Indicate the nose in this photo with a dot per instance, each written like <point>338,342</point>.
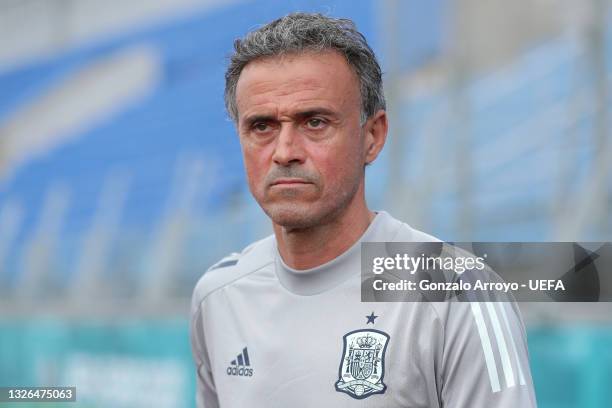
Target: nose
<point>288,150</point>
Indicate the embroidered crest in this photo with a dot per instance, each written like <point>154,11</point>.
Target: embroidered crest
<point>362,366</point>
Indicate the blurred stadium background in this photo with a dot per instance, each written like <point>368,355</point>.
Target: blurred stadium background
<point>121,178</point>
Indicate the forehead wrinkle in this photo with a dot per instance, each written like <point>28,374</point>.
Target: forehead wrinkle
<point>291,103</point>
<point>265,89</point>
<point>266,97</point>
<point>296,110</point>
<point>284,86</point>
<point>256,89</point>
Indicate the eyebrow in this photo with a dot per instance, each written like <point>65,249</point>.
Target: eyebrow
<point>258,118</point>
<point>250,120</point>
<point>314,112</point>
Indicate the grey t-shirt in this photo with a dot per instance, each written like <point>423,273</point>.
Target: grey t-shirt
<point>265,335</point>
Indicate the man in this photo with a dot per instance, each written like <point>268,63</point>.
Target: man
<point>281,324</point>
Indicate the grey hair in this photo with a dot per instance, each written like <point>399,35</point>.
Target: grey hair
<point>304,32</point>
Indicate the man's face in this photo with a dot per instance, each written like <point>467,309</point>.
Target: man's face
<point>299,127</point>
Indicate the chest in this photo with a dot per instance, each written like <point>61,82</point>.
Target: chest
<point>331,350</point>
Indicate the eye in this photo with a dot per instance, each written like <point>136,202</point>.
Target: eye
<point>260,126</point>
<point>315,123</point>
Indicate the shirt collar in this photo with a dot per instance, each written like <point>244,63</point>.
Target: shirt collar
<point>319,279</point>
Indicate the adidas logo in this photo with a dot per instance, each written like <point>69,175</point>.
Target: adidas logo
<point>241,366</point>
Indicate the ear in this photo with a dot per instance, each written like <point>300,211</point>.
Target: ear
<point>375,130</point>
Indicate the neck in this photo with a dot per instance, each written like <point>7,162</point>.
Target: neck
<point>311,247</point>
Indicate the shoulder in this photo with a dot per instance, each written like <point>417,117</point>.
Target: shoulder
<point>233,267</point>
<point>404,232</point>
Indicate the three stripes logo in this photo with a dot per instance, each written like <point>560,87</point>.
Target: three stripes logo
<point>498,344</point>
<point>241,366</point>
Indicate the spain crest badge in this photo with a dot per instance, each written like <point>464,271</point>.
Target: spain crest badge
<point>362,366</point>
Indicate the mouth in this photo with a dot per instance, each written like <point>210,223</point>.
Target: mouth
<point>289,182</point>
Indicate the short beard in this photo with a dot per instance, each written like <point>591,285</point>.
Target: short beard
<point>301,218</point>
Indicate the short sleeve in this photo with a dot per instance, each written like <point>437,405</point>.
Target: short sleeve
<point>206,394</point>
<point>485,357</point>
